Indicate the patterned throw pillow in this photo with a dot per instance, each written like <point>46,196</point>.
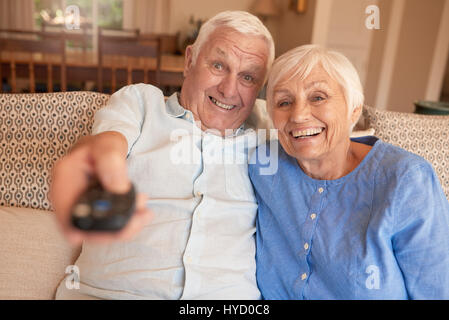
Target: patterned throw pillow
<point>35,131</point>
<point>427,136</point>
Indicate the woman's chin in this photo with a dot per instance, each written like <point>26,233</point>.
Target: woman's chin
<point>306,155</point>
<point>302,153</point>
<point>303,148</point>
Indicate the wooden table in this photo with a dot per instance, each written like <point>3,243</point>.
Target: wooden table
<point>82,67</point>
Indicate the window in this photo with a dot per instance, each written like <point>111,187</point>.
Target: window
<point>49,15</point>
<point>104,13</point>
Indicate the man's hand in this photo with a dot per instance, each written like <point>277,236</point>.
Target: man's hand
<point>103,155</point>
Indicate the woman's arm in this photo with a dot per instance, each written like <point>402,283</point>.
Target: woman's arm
<point>421,233</point>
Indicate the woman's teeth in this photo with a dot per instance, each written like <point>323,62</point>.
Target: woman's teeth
<point>221,105</point>
<point>306,133</point>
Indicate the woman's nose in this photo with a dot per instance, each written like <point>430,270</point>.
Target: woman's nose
<point>228,86</point>
<point>300,112</point>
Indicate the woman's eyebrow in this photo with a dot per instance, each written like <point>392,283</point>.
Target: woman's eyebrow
<point>280,91</point>
<point>317,83</point>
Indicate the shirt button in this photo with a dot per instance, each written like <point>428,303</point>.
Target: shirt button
<point>320,190</point>
<point>304,276</point>
<point>189,259</point>
<point>313,216</point>
<point>199,194</point>
<point>306,246</point>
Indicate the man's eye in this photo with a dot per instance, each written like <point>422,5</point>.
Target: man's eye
<point>218,66</point>
<point>248,78</point>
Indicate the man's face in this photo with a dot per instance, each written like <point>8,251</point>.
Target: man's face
<point>221,87</point>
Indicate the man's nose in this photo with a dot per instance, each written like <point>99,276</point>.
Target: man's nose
<point>228,86</point>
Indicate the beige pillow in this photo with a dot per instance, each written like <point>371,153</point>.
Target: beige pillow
<point>33,254</point>
<point>427,136</point>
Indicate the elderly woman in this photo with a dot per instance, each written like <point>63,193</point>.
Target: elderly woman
<point>343,218</point>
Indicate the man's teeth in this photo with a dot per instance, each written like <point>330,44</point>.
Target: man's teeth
<point>307,132</point>
<point>222,105</point>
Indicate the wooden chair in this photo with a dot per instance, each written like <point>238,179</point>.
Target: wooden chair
<point>126,52</point>
<point>80,38</point>
<point>169,42</point>
<point>30,42</point>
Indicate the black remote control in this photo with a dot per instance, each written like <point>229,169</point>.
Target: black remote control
<point>101,210</point>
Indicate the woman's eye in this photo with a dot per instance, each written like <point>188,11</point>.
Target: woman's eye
<point>283,103</point>
<point>317,98</point>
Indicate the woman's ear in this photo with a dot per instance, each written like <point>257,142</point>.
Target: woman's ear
<point>188,60</point>
<point>355,114</point>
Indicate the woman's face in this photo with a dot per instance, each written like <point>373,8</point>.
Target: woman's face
<point>311,116</point>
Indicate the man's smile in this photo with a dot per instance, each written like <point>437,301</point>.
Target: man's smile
<point>221,105</point>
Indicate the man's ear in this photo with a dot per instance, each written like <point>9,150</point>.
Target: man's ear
<point>188,60</point>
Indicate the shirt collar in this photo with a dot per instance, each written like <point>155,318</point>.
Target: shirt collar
<point>173,107</point>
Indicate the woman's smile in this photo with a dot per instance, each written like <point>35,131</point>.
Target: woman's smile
<point>306,133</point>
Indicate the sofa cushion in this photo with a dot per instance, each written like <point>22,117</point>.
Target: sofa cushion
<point>33,255</point>
<point>35,131</point>
<point>427,136</point>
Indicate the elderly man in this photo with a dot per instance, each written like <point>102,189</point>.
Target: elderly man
<point>200,242</point>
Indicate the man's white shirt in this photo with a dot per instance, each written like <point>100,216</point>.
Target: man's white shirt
<point>200,244</point>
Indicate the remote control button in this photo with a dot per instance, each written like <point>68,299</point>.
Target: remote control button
<point>81,210</point>
<point>101,208</point>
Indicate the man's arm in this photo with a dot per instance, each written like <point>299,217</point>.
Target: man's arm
<point>103,155</point>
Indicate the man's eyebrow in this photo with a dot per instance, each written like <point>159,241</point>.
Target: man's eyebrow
<point>255,68</point>
<point>221,52</point>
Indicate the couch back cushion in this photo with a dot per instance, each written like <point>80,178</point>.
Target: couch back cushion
<point>35,131</point>
<point>34,255</point>
<point>427,136</point>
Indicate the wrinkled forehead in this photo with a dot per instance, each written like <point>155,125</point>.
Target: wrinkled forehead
<point>225,41</point>
<point>307,76</point>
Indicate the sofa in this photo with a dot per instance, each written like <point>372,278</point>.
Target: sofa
<point>38,129</point>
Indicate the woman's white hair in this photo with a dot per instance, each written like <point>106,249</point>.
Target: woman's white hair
<point>240,21</point>
<point>300,62</point>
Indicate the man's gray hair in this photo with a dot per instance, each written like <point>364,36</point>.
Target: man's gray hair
<point>242,22</point>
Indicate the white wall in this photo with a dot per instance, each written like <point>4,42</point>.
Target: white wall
<point>340,25</point>
<point>292,29</point>
<point>401,62</point>
<point>181,10</point>
<point>415,53</point>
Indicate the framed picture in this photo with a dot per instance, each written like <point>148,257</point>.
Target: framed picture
<point>300,6</point>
